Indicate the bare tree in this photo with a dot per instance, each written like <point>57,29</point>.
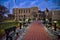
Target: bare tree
<point>3,11</point>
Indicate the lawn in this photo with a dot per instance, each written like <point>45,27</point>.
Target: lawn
<point>58,22</point>
<point>8,21</point>
<point>7,25</point>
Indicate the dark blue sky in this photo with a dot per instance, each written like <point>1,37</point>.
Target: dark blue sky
<point>41,4</point>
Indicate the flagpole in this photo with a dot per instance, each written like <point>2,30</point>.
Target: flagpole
<point>15,7</point>
<point>15,3</point>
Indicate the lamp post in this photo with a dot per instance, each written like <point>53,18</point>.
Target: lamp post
<point>20,25</point>
<point>55,22</point>
<point>46,15</point>
<point>46,22</point>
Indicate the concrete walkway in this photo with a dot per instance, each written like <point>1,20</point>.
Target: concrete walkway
<point>36,32</point>
<point>23,32</point>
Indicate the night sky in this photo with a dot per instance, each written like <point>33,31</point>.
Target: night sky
<point>41,4</point>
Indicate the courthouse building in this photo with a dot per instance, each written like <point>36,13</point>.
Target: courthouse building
<point>25,13</point>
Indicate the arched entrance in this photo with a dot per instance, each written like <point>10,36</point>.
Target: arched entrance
<point>34,16</point>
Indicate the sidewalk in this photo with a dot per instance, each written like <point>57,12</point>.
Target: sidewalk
<point>51,32</point>
<point>52,36</point>
<point>23,33</point>
<point>36,32</point>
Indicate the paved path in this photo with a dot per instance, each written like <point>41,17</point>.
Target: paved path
<point>36,32</point>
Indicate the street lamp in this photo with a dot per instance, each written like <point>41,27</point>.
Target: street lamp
<point>55,22</point>
<point>46,22</point>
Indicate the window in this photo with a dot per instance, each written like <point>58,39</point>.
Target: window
<point>19,11</point>
<point>24,11</point>
<point>20,19</point>
<point>19,16</point>
<point>29,10</point>
<point>24,16</point>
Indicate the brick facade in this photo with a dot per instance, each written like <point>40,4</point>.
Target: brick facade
<point>21,13</point>
<point>56,15</point>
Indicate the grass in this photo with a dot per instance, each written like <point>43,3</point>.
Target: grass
<point>58,23</point>
<point>7,25</point>
<point>8,21</point>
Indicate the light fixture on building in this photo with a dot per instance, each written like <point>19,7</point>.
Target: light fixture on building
<point>55,21</point>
